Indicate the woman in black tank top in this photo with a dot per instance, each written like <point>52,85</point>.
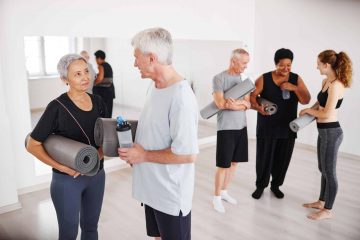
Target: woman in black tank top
<point>274,139</point>
<point>337,68</point>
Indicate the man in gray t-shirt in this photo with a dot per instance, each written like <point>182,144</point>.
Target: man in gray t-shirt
<point>232,143</point>
<point>166,140</point>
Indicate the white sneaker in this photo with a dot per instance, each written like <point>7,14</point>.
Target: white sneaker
<point>218,204</point>
<point>226,197</point>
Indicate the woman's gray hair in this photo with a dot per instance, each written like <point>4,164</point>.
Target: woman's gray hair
<point>65,62</point>
<point>157,41</point>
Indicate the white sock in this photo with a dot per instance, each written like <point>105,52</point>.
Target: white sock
<point>218,204</point>
<point>226,197</point>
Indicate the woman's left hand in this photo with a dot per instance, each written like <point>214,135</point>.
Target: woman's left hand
<point>303,112</point>
<point>100,153</point>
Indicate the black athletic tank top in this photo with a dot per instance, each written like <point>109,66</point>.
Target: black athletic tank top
<point>108,72</point>
<point>323,96</point>
<point>277,125</point>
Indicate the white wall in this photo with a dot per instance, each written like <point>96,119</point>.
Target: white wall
<point>309,27</point>
<point>196,60</point>
<point>110,18</point>
<point>7,170</point>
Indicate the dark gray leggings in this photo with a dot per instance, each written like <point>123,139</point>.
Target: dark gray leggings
<point>328,143</point>
<point>76,198</point>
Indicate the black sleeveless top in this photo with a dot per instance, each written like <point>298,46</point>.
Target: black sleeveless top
<point>108,72</point>
<point>106,90</point>
<point>323,96</point>
<point>277,125</point>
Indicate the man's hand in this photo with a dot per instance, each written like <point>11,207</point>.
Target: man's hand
<point>135,154</point>
<point>234,104</point>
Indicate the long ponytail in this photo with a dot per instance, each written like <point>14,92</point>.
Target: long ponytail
<point>340,63</point>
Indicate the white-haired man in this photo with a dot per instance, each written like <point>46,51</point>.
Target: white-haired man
<point>232,141</point>
<point>166,140</point>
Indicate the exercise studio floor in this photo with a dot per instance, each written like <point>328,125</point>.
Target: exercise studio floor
<point>267,218</point>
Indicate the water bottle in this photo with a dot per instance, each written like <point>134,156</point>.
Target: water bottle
<point>123,129</point>
<point>285,94</point>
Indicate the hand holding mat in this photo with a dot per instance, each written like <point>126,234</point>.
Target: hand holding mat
<point>79,156</point>
<point>270,108</point>
<point>105,135</point>
<point>301,122</point>
<point>238,91</point>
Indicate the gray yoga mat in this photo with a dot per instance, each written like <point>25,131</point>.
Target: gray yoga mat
<point>270,108</point>
<point>238,91</point>
<point>105,135</point>
<point>81,157</point>
<point>301,122</point>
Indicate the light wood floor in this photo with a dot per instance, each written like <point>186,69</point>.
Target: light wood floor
<point>267,218</point>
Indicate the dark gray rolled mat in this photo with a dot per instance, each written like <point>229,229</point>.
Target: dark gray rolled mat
<point>301,122</point>
<point>238,91</point>
<point>81,157</point>
<point>270,108</point>
<point>105,135</point>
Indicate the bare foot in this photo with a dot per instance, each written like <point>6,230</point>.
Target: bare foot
<point>322,214</point>
<point>317,205</point>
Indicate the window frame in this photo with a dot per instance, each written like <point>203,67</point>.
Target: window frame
<point>73,47</point>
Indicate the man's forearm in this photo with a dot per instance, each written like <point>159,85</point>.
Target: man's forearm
<point>166,156</point>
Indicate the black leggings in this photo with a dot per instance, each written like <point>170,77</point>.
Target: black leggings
<point>328,143</point>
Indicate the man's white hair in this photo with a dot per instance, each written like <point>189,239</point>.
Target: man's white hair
<point>157,41</point>
<point>237,52</point>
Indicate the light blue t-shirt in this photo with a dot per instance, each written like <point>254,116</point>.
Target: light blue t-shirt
<point>228,119</point>
<point>169,119</point>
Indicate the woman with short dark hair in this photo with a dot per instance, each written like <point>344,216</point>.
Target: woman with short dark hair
<point>274,139</point>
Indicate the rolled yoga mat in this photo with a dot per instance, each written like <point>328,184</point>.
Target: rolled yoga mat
<point>238,91</point>
<point>106,136</point>
<point>270,108</point>
<point>79,156</point>
<point>301,122</point>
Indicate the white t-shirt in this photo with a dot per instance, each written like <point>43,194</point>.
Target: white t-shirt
<point>169,119</point>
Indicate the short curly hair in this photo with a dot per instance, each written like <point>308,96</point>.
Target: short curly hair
<point>64,63</point>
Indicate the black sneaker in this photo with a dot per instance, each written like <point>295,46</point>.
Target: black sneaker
<point>258,192</point>
<point>277,192</point>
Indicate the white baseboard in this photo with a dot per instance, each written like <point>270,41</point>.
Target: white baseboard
<point>11,207</point>
<point>33,188</point>
<point>340,154</point>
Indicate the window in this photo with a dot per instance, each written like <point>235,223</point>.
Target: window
<point>43,53</point>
